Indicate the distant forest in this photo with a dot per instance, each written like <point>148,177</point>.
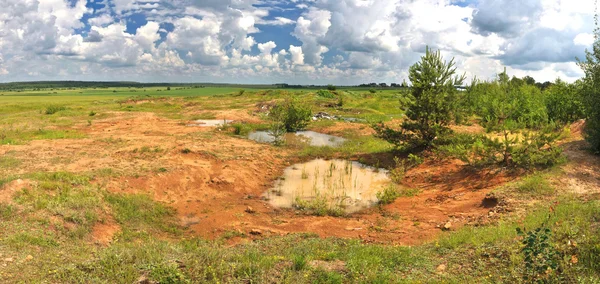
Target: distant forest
<point>58,85</point>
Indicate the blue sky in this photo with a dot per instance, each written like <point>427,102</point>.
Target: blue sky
<point>293,41</point>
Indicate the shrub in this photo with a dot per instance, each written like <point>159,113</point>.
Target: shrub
<point>517,149</point>
<point>54,109</point>
<point>241,129</point>
<point>541,258</point>
<point>92,113</point>
<point>290,114</point>
<point>331,88</point>
<point>372,91</point>
<point>537,149</point>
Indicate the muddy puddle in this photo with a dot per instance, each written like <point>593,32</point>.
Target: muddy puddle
<point>210,122</point>
<point>302,137</point>
<point>343,184</point>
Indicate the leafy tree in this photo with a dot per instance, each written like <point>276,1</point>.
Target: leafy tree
<point>591,90</point>
<point>434,103</point>
<point>564,102</point>
<point>505,100</point>
<point>529,80</point>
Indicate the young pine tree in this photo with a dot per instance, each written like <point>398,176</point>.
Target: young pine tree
<point>433,103</point>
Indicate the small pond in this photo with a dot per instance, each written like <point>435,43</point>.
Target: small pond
<point>302,137</point>
<point>210,122</point>
<point>349,185</point>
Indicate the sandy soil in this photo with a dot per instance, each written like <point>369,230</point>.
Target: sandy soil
<point>212,187</point>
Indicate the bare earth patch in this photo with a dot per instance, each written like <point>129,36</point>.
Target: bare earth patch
<point>212,186</point>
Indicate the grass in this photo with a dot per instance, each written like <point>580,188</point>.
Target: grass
<point>319,206</point>
<point>151,243</point>
<point>54,219</point>
<point>388,195</point>
<point>537,184</point>
<point>8,162</point>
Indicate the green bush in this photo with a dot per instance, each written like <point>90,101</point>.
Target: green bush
<point>526,150</point>
<point>241,129</point>
<point>54,109</point>
<point>291,114</point>
<point>474,150</point>
<point>388,195</point>
<point>325,94</point>
<point>541,259</point>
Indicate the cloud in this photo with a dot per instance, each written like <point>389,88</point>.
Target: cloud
<point>507,17</point>
<point>299,41</point>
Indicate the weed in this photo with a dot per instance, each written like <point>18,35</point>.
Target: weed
<point>388,195</point>
<point>299,262</point>
<point>319,206</point>
<point>186,151</point>
<point>541,258</point>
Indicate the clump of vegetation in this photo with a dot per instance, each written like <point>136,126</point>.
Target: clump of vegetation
<point>536,184</point>
<point>186,151</point>
<point>54,109</point>
<point>388,195</point>
<point>397,173</point>
<point>325,94</point>
<point>564,102</point>
<point>541,259</point>
<point>591,91</point>
<point>241,129</point>
<point>92,113</point>
<point>292,114</point>
<point>319,206</point>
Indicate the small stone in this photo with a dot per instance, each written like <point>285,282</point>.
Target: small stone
<point>250,210</point>
<point>255,232</point>
<point>441,268</point>
<point>29,257</point>
<point>448,226</point>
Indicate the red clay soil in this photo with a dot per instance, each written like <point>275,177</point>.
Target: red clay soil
<point>212,186</point>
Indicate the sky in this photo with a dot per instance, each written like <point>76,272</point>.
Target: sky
<point>343,42</point>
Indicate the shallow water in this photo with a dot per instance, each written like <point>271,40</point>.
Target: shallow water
<point>350,185</point>
<point>302,137</point>
<point>210,122</point>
